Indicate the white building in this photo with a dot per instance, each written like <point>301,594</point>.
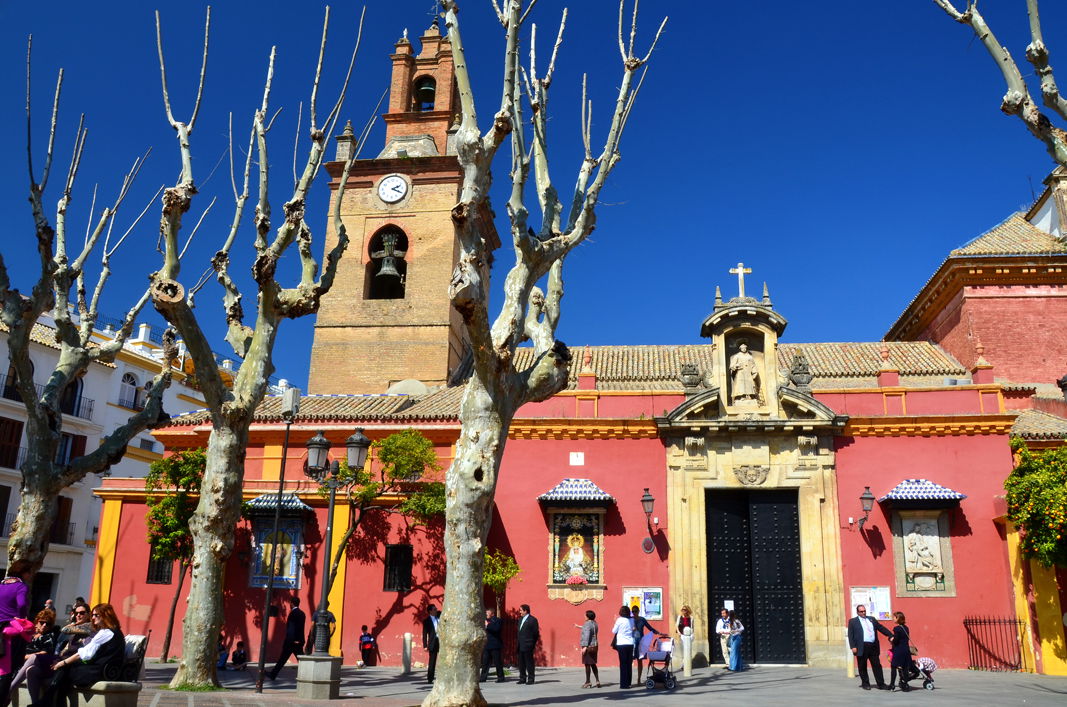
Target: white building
<point>102,400</point>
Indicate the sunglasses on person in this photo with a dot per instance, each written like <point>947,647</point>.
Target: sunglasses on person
<point>80,613</point>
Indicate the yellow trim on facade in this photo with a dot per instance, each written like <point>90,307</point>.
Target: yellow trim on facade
<point>566,428</point>
<point>106,549</point>
<point>337,592</point>
<point>1049,619</point>
<point>1018,585</point>
<point>272,461</point>
<point>929,425</point>
<point>190,399</point>
<point>141,455</point>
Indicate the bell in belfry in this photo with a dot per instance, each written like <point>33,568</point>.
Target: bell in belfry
<point>388,256</point>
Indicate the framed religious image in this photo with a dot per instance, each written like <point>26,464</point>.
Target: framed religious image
<point>577,548</point>
<point>922,553</point>
<point>286,547</point>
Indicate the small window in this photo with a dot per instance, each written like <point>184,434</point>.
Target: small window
<point>159,571</point>
<point>386,274</point>
<point>148,445</point>
<point>397,568</point>
<point>424,94</point>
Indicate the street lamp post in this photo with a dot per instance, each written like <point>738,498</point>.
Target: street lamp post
<point>647,501</point>
<point>327,472</point>
<point>290,409</point>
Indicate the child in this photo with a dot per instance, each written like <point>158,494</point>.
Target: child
<point>367,647</point>
<point>240,656</point>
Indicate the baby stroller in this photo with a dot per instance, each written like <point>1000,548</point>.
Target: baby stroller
<point>658,650</point>
<point>924,668</point>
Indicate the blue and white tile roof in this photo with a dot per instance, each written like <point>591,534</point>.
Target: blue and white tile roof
<point>268,502</point>
<point>921,490</point>
<point>576,490</point>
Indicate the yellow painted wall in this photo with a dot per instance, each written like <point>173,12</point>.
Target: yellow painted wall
<point>1022,606</point>
<point>104,565</point>
<point>1049,619</point>
<point>337,592</point>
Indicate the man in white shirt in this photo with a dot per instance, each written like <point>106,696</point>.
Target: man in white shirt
<point>863,640</point>
<point>722,627</point>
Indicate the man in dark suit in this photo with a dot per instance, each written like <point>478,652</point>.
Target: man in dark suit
<point>529,635</point>
<point>294,637</point>
<point>493,644</point>
<point>430,642</point>
<point>863,640</point>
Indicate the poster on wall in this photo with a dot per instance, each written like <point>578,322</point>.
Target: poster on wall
<point>648,599</point>
<point>876,599</point>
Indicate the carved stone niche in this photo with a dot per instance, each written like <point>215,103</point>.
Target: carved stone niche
<point>696,456</point>
<point>751,474</point>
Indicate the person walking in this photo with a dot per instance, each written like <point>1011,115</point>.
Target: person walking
<point>624,645</point>
<point>590,645</point>
<point>368,647</point>
<point>493,646</point>
<point>640,625</point>
<point>529,635</point>
<point>736,629</point>
<point>294,637</point>
<point>863,640</point>
<point>722,628</point>
<point>430,641</point>
<point>900,660</point>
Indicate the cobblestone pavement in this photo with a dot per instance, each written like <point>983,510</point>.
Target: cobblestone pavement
<point>770,685</point>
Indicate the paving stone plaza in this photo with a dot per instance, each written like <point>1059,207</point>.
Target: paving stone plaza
<point>771,685</point>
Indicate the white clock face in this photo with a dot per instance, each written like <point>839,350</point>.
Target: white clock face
<point>392,189</point>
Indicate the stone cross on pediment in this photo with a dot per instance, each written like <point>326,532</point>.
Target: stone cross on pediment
<point>741,271</point>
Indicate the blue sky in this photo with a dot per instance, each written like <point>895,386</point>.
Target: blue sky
<point>839,149</point>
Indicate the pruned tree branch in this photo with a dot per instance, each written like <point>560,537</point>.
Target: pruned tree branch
<point>1018,100</point>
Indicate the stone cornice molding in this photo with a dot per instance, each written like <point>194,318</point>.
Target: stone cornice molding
<point>930,425</point>
<point>958,272</point>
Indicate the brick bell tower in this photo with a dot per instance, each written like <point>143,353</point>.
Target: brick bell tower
<point>388,317</point>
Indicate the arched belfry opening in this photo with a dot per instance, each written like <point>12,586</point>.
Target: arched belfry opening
<point>424,94</point>
<point>387,269</point>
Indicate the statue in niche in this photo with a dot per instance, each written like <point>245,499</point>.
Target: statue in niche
<point>922,550</point>
<point>744,375</point>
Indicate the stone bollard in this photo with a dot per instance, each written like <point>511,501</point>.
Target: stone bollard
<point>406,658</point>
<point>687,651</point>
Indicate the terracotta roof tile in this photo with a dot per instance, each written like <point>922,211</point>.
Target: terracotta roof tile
<point>46,336</point>
<point>1037,425</point>
<point>1013,236</point>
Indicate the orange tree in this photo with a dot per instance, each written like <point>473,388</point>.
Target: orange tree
<point>1037,502</point>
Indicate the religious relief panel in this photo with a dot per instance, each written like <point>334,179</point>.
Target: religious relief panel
<point>287,548</point>
<point>577,542</point>
<point>923,554</point>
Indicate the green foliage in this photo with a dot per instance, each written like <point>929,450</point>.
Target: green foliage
<point>498,570</point>
<point>1037,502</point>
<point>173,484</point>
<point>403,458</point>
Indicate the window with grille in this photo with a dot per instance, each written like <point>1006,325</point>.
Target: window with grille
<point>159,571</point>
<point>148,444</point>
<point>397,568</point>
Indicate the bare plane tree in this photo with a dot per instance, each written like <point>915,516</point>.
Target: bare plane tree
<point>232,407</point>
<point>1018,100</point>
<point>62,292</point>
<point>496,389</point>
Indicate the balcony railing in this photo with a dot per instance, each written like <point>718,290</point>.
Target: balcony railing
<point>9,522</point>
<point>63,534</point>
<point>12,457</point>
<point>131,403</point>
<point>79,406</point>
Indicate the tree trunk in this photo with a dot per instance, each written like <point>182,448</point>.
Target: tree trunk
<point>164,652</point>
<point>28,544</point>
<point>470,486</point>
<point>212,530</point>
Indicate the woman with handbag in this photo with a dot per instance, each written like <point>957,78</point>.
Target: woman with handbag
<point>588,643</point>
<point>901,652</point>
<point>623,643</point>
